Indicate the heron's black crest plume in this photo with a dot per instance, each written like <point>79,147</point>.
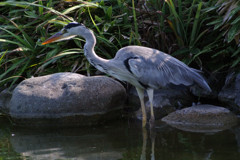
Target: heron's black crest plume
<point>72,24</point>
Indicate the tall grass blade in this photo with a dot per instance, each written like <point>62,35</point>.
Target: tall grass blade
<point>27,4</point>
<point>236,62</point>
<point>90,15</point>
<point>40,9</point>
<point>18,38</point>
<point>178,24</point>
<point>195,24</point>
<point>11,42</point>
<point>9,78</point>
<point>190,14</point>
<point>22,70</point>
<point>180,12</point>
<point>2,56</point>
<point>75,7</point>
<point>14,66</point>
<point>135,23</point>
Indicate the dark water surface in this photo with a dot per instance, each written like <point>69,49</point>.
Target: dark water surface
<point>122,140</point>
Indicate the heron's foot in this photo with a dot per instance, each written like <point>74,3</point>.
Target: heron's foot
<point>152,123</point>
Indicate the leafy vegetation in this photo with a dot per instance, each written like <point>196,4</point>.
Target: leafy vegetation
<point>228,23</point>
<point>203,34</point>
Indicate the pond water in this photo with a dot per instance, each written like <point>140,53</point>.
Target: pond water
<point>120,140</point>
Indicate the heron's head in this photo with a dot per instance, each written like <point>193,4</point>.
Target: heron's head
<point>69,31</point>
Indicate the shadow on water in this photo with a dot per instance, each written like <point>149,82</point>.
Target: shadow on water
<point>117,141</point>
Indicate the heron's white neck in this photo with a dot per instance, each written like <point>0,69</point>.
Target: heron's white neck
<point>92,57</point>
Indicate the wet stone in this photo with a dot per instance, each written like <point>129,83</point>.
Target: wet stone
<point>66,99</point>
<point>202,118</point>
<point>230,93</point>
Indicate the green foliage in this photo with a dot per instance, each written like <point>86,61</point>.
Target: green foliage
<point>228,23</point>
<point>177,27</point>
<point>186,29</point>
<point>189,30</point>
<point>27,23</point>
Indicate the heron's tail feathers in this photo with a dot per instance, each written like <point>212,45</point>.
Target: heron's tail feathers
<point>201,81</point>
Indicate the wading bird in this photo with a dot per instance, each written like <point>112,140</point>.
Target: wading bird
<point>145,68</point>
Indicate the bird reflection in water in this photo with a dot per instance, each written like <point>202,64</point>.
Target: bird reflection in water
<point>145,140</point>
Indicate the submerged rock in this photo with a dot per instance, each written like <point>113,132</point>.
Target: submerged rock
<point>165,101</point>
<point>202,118</point>
<point>66,99</point>
<point>230,93</point>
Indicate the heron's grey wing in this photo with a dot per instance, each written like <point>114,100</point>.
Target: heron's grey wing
<point>160,70</point>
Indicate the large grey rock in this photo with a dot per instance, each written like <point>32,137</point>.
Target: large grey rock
<point>230,93</point>
<point>66,99</point>
<point>165,101</point>
<point>202,118</point>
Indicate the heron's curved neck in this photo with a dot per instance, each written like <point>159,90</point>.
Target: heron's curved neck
<point>92,57</point>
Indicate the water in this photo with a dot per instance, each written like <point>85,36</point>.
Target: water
<point>122,140</point>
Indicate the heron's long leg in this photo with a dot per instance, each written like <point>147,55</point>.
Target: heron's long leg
<point>141,97</point>
<point>150,96</point>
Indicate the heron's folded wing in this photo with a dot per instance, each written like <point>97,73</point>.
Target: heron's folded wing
<point>160,71</point>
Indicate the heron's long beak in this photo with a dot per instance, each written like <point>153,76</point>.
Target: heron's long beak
<point>53,38</point>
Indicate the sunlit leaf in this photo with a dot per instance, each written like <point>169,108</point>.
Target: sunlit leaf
<point>98,19</point>
<point>109,12</point>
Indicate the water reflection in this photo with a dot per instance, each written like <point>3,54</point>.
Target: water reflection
<point>119,141</point>
<point>80,143</point>
<point>144,145</point>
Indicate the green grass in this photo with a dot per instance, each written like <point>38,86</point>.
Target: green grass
<point>188,30</point>
<point>23,55</point>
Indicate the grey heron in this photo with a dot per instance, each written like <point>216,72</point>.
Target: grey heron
<point>145,68</point>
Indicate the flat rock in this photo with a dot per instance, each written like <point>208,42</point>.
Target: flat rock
<point>202,118</point>
<point>66,99</point>
<point>165,101</point>
<point>230,93</point>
